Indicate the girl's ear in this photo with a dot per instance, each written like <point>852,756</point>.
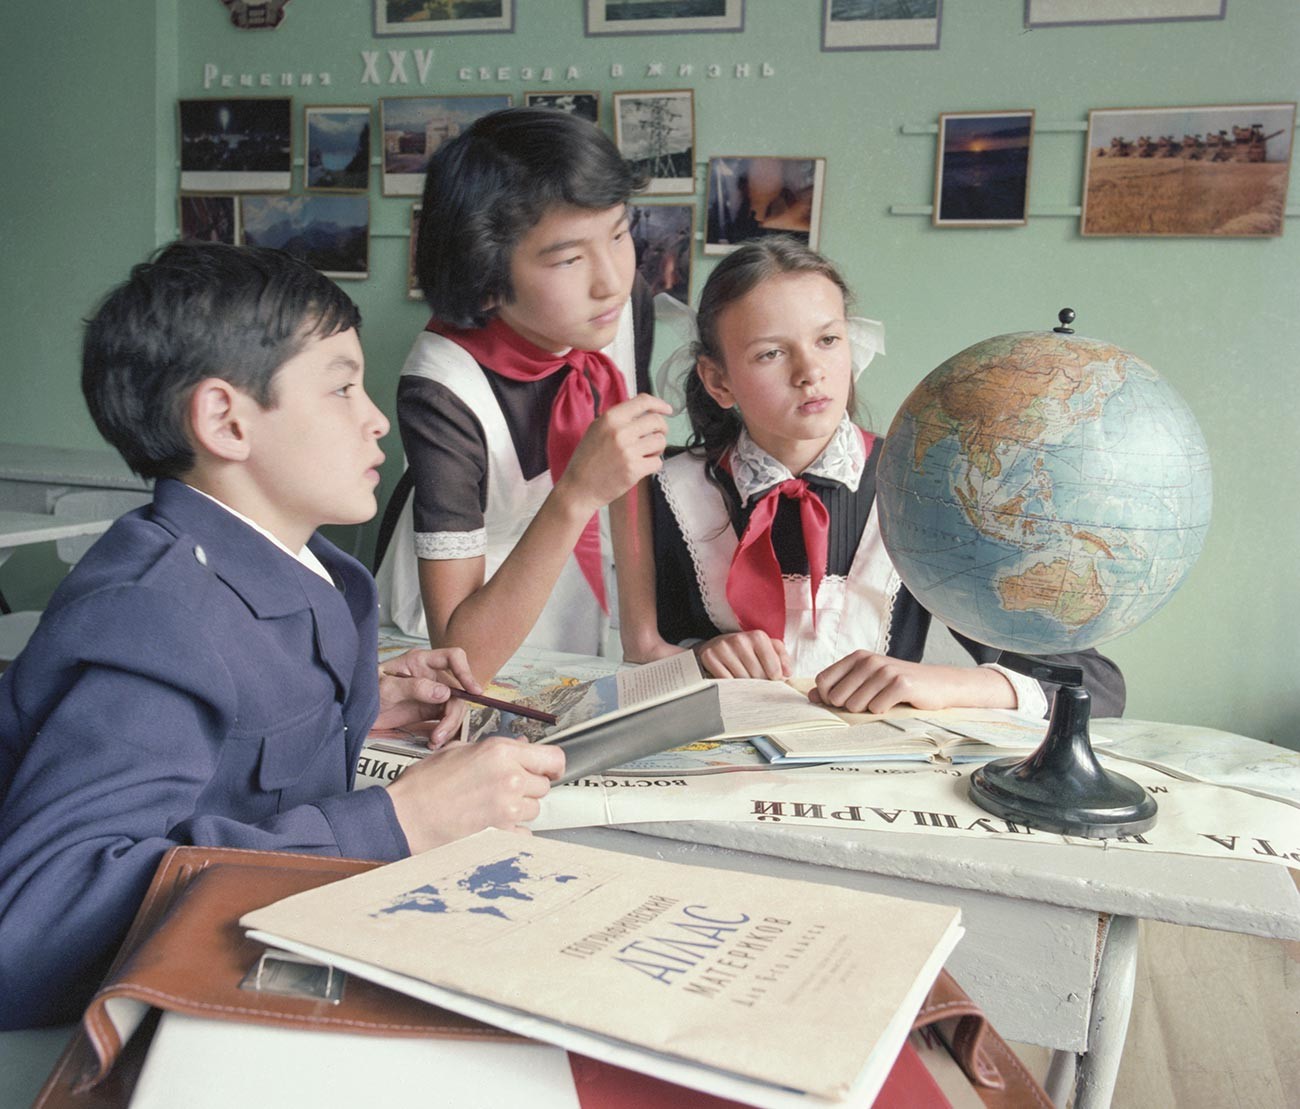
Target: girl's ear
<point>714,379</point>
<point>216,419</point>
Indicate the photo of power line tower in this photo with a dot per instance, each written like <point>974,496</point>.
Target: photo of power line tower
<point>655,131</point>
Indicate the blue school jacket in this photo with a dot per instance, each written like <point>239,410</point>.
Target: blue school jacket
<point>189,683</point>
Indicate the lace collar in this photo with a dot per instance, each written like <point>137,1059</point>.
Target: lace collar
<point>755,471</point>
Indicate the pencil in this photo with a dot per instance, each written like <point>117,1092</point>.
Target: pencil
<point>492,702</point>
<point>505,706</point>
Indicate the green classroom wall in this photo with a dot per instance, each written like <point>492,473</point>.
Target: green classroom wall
<point>90,186</point>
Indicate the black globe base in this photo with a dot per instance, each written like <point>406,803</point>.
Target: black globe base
<point>1061,787</point>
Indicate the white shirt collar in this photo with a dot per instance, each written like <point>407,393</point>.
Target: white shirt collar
<point>755,471</point>
<point>305,556</point>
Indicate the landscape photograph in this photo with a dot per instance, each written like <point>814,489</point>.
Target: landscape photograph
<point>881,24</point>
<point>982,177</point>
<point>1220,170</point>
<point>338,149</point>
<point>413,127</point>
<point>331,233</point>
<point>442,17</point>
<point>632,17</point>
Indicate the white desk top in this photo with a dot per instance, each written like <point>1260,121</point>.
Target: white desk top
<point>17,529</point>
<point>1257,898</point>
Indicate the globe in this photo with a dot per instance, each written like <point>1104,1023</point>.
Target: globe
<point>1042,492</point>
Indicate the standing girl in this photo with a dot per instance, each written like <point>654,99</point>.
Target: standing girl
<point>768,553</point>
<point>523,405</point>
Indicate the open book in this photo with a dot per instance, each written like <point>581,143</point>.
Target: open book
<point>951,735</point>
<point>640,711</point>
<point>771,991</point>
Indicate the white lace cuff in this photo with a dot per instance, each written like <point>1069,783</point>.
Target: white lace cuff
<point>439,546</point>
<point>1031,701</point>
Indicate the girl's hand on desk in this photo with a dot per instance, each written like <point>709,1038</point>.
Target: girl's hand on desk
<point>413,689</point>
<point>867,682</point>
<point>751,654</point>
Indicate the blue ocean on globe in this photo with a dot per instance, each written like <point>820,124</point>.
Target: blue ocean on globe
<point>1044,492</point>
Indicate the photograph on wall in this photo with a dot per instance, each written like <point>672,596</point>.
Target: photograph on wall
<point>752,197</point>
<point>337,156</point>
<point>413,127</point>
<point>331,233</point>
<point>443,17</point>
<point>663,17</point>
<point>413,290</point>
<point>237,145</point>
<point>209,219</point>
<point>982,169</point>
<point>655,131</point>
<point>664,235</point>
<point>584,105</point>
<point>881,24</point>
<point>1078,13</point>
<point>1217,170</point>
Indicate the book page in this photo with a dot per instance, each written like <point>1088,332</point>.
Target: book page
<point>752,706</point>
<point>659,680</point>
<point>878,738</point>
<point>590,703</point>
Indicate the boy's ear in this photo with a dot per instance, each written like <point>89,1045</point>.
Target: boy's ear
<point>216,422</point>
<point>714,379</point>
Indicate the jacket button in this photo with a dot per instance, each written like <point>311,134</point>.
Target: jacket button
<point>200,555</point>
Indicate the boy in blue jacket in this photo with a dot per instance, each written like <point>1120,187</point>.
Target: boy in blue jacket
<point>207,673</point>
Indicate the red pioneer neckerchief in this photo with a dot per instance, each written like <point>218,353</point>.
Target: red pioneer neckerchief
<point>755,587</point>
<point>594,385</point>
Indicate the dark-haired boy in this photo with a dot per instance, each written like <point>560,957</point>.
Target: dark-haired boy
<point>207,672</point>
<point>511,403</point>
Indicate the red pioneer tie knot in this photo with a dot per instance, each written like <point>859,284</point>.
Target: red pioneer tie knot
<point>755,588</point>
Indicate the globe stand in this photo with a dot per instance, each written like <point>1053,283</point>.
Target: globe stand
<point>1061,787</point>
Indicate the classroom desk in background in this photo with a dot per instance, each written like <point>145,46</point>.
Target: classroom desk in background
<point>62,494</point>
<point>32,478</point>
<point>21,529</point>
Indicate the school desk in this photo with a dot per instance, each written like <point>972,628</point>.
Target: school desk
<point>1051,944</point>
<point>1050,950</point>
<point>33,478</point>
<point>18,529</point>
<point>55,487</point>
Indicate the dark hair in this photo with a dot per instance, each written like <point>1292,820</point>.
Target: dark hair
<point>196,310</point>
<point>714,429</point>
<point>486,188</point>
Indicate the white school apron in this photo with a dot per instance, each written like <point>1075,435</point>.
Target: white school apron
<point>572,619</point>
<point>853,611</point>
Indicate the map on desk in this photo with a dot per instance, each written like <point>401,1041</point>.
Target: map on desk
<point>1220,795</point>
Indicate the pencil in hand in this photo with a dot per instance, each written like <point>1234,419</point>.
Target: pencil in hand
<point>504,706</point>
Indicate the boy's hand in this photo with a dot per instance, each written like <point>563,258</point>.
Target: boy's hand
<point>867,682</point>
<point>751,654</point>
<point>413,688</point>
<point>464,788</point>
<point>620,447</point>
